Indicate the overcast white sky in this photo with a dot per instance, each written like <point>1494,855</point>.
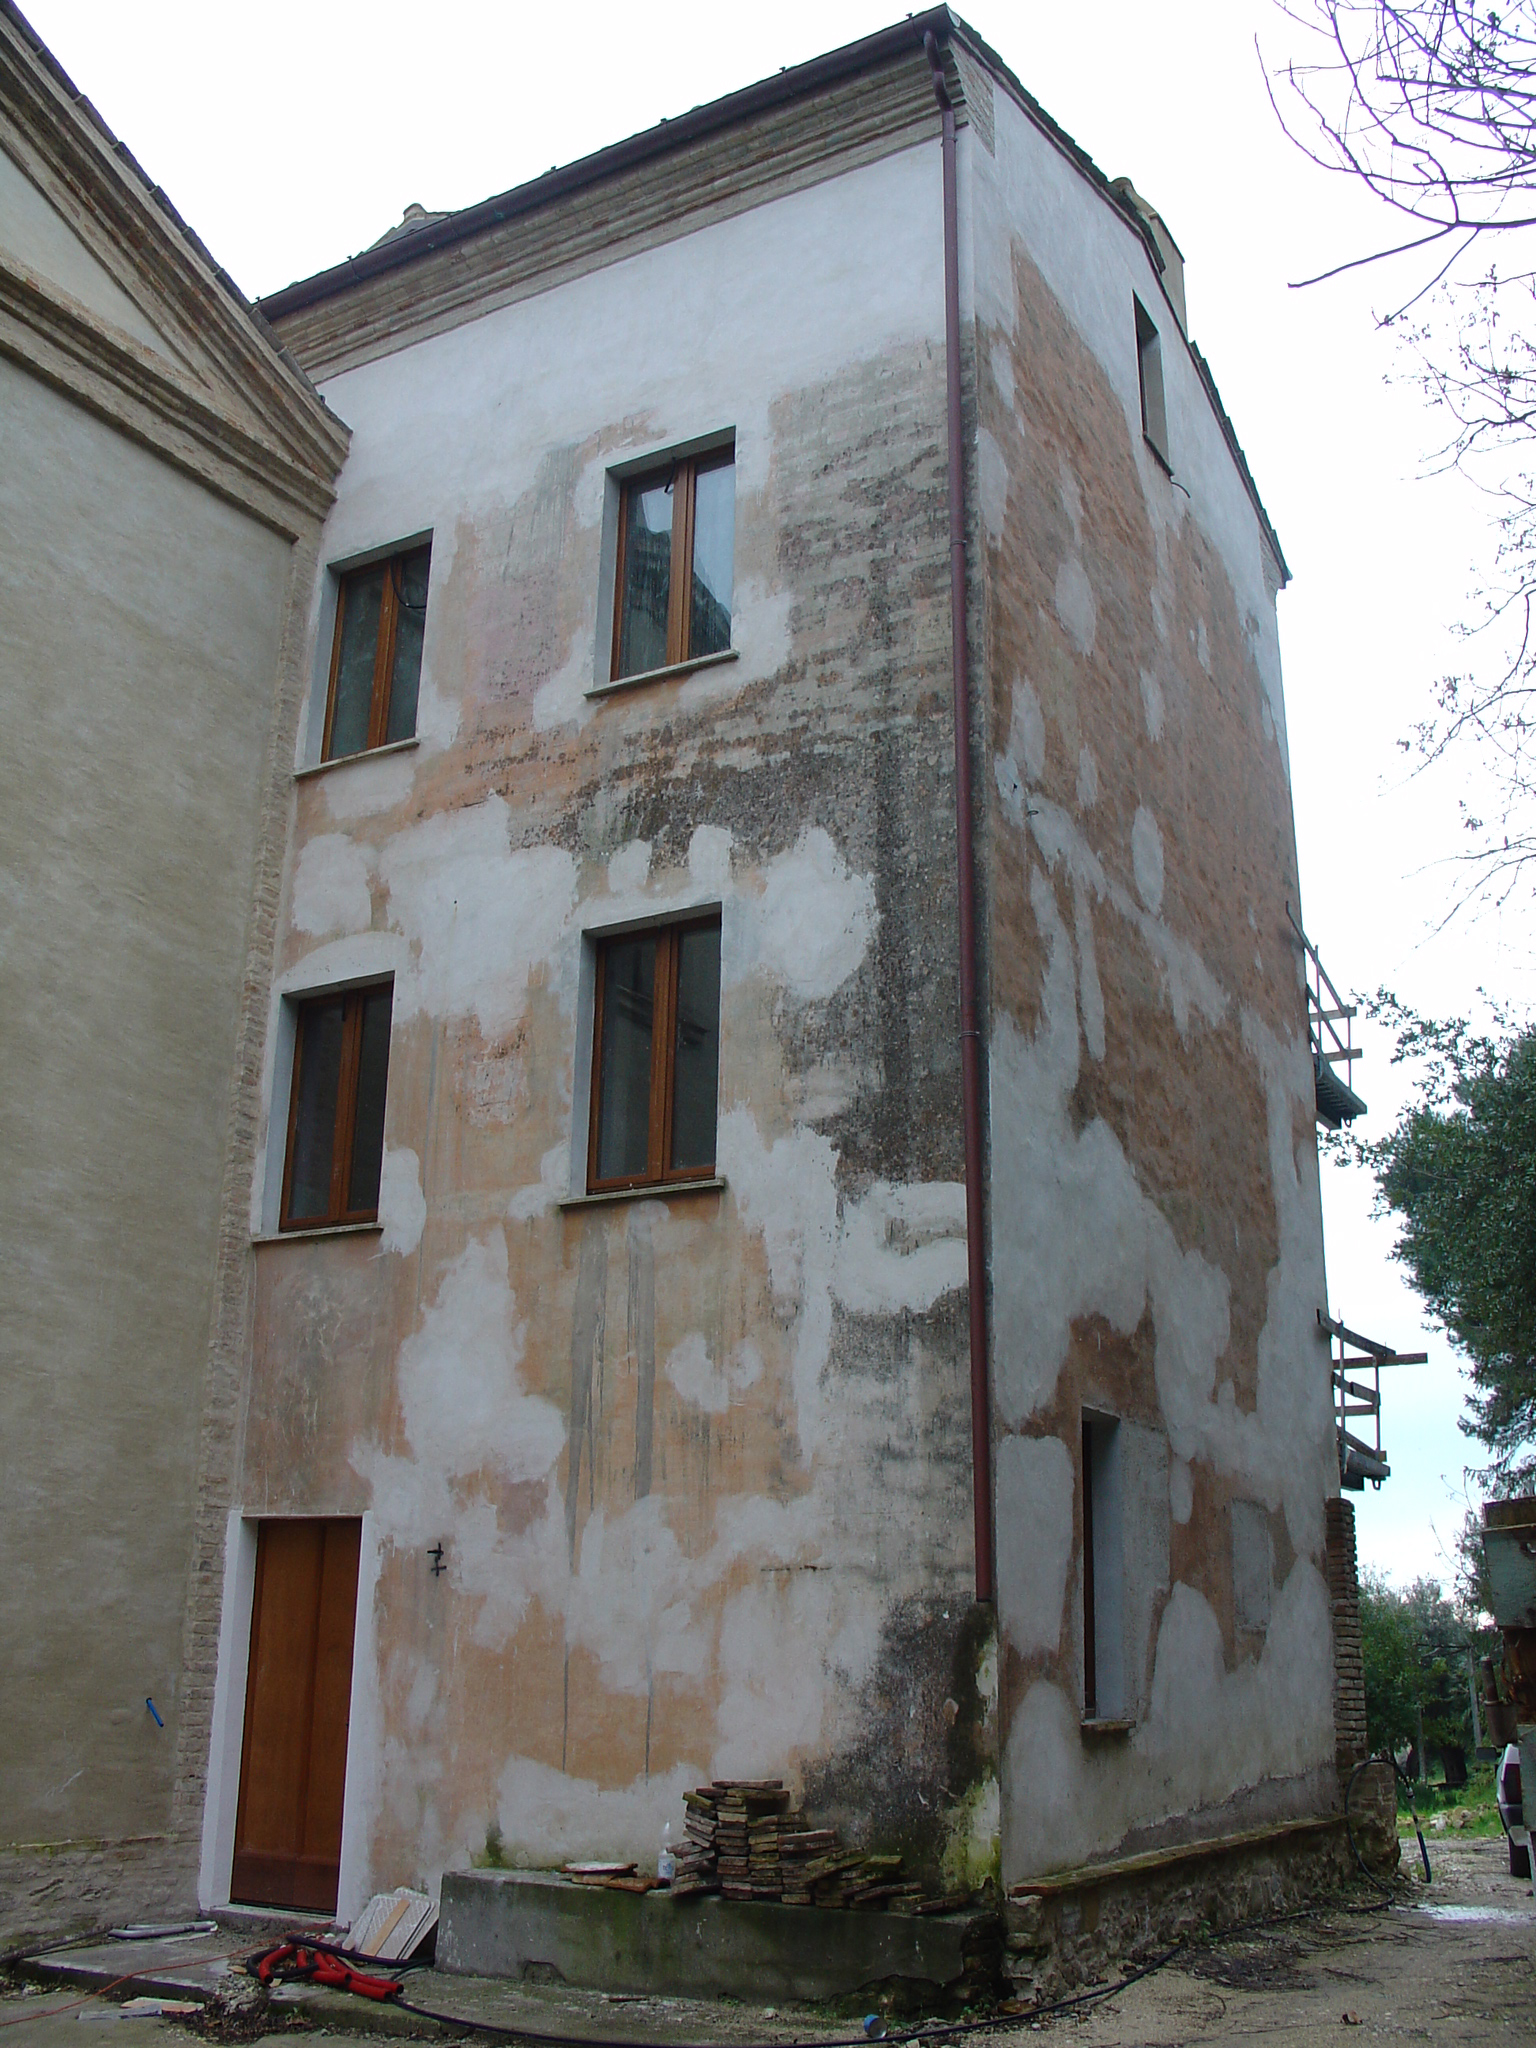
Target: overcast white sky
<point>292,135</point>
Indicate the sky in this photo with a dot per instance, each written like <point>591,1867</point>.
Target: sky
<point>290,136</point>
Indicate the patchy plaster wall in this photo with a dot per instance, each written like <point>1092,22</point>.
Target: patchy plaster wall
<point>700,1465</point>
<point>1155,1220</point>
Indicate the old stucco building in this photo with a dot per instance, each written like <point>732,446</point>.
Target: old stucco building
<point>594,1342</point>
<point>163,477</point>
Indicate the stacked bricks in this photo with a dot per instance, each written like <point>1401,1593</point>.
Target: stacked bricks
<point>1349,1731</point>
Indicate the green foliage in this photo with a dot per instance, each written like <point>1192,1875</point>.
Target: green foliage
<point>1414,1648</point>
<point>1459,1172</point>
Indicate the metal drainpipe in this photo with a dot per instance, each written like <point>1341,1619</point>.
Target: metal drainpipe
<point>970,1036</point>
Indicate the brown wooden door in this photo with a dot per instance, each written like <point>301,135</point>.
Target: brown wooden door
<point>298,1699</point>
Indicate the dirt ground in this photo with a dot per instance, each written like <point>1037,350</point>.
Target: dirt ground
<point>1454,1962</point>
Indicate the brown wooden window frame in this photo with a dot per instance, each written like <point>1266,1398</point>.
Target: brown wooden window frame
<point>682,474</point>
<point>659,1169</point>
<point>344,1131</point>
<point>384,650</point>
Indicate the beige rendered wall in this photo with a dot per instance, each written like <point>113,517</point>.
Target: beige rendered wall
<point>139,624</point>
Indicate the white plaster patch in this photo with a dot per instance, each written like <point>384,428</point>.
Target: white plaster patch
<point>1147,859</point>
<point>709,858</point>
<point>1090,994</point>
<point>814,921</point>
<point>760,632</point>
<point>1087,780</point>
<point>1181,1491</point>
<point>630,868</point>
<point>465,1413</point>
<point>330,887</point>
<point>561,699</point>
<point>1000,356</point>
<point>402,1205</point>
<point>1075,604</point>
<point>460,1394</point>
<point>539,1198</point>
<point>991,483</point>
<point>630,1603</point>
<point>1152,704</point>
<point>548,1817</point>
<point>787,1191</point>
<point>899,1247</point>
<point>1026,730</point>
<point>1203,646</point>
<point>1010,790</point>
<point>1035,1489</point>
<point>1071,498</point>
<point>697,1378</point>
<point>366,787</point>
<point>480,916</point>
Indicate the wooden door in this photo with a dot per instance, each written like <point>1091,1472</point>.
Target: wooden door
<point>298,1699</point>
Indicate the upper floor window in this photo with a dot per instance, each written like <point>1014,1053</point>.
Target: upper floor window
<point>677,534</point>
<point>1149,373</point>
<point>655,1056</point>
<point>336,1110</point>
<point>381,613</point>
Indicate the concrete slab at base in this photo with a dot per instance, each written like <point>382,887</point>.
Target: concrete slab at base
<point>531,1925</point>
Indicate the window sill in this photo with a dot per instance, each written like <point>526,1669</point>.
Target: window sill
<point>373,1229</point>
<point>644,1192</point>
<point>346,760</point>
<point>664,675</point>
<point>1096,1727</point>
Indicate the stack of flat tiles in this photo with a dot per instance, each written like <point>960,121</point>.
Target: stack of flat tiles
<point>801,1850</point>
<point>741,1840</point>
<point>695,1855</point>
<point>747,1836</point>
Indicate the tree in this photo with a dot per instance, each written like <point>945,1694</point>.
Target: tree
<point>1431,105</point>
<point>1459,1171</point>
<point>1414,1650</point>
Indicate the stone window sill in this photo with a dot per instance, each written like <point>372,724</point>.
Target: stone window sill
<point>347,760</point>
<point>664,675</point>
<point>1096,1726</point>
<point>374,1229</point>
<point>645,1193</point>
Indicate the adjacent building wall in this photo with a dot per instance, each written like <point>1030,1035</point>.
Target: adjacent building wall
<point>150,502</point>
<point>1155,1222</point>
<point>139,622</point>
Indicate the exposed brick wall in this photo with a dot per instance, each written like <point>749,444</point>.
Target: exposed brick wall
<point>1348,1667</point>
<point>219,1433</point>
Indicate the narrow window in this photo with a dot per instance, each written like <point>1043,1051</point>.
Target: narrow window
<point>336,1112</point>
<point>677,533</point>
<point>1149,371</point>
<point>655,1057</point>
<point>1103,1573</point>
<point>376,660</point>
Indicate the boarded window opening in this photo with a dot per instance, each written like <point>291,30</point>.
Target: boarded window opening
<point>1103,1572</point>
<point>1149,372</point>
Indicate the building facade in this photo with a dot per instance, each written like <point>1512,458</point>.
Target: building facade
<point>589,1402</point>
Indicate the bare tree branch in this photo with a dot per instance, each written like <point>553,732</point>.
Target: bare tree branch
<point>1431,106</point>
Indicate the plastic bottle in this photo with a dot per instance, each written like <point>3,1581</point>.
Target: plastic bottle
<point>666,1862</point>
